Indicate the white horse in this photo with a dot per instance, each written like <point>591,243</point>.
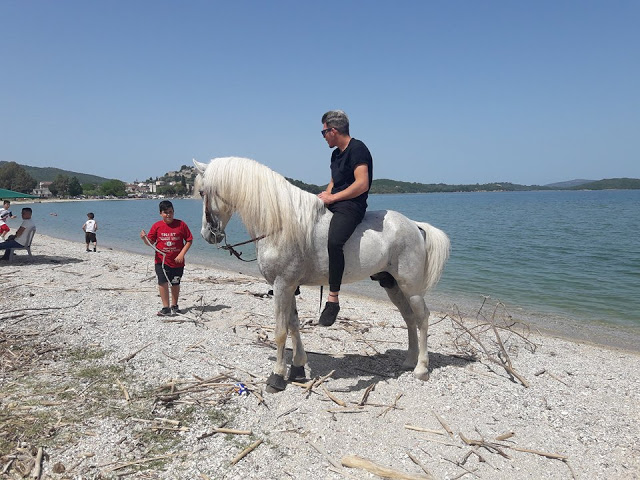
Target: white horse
<point>406,257</point>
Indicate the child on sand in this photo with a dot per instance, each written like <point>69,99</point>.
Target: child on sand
<point>5,214</point>
<point>90,227</point>
<point>171,238</point>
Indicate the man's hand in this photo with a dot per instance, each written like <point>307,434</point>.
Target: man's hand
<point>326,197</point>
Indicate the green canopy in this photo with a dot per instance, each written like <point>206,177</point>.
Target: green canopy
<point>4,193</point>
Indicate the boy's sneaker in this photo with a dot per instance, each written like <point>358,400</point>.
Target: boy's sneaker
<point>88,250</point>
<point>166,311</point>
<point>329,314</point>
<point>94,249</point>
<point>175,309</point>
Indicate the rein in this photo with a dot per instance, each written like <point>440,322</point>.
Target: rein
<point>233,251</point>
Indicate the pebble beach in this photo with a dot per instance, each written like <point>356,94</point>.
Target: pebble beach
<point>93,384</point>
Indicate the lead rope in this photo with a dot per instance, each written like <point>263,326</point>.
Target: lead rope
<point>164,256</point>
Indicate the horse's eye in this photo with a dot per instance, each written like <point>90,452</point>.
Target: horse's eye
<point>202,193</point>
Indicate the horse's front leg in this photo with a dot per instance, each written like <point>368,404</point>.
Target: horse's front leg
<point>284,305</point>
<point>299,355</point>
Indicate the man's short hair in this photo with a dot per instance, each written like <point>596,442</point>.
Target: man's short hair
<point>337,119</point>
<point>27,209</point>
<point>165,205</point>
<point>90,215</point>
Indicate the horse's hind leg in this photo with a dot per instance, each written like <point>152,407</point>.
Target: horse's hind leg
<point>400,301</point>
<point>421,313</point>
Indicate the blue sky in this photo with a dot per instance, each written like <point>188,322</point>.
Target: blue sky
<point>449,91</point>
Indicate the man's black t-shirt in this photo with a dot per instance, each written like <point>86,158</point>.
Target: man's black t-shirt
<point>342,167</point>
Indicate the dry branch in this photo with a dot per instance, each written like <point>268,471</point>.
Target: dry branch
<point>246,451</point>
<point>484,337</point>
<point>354,461</point>
<point>420,429</point>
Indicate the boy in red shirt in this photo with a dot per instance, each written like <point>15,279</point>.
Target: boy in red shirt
<point>171,239</point>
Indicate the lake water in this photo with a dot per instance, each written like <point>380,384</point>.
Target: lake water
<point>568,261</point>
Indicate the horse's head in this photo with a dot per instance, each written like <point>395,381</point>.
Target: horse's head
<point>215,212</point>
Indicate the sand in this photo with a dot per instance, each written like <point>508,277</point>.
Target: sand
<point>105,388</point>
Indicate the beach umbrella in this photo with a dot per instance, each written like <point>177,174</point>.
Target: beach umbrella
<point>4,193</point>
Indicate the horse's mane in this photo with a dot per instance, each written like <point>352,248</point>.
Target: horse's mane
<point>267,203</point>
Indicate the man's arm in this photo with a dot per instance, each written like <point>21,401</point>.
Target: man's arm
<point>361,185</point>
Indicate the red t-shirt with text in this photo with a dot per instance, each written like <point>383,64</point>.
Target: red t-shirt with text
<point>170,238</point>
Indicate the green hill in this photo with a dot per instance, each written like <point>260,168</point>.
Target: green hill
<point>49,174</point>
<point>611,184</point>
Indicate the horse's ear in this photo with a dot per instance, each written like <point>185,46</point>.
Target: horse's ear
<point>201,167</point>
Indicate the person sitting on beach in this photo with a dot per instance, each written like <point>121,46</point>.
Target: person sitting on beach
<point>90,227</point>
<point>5,214</point>
<point>19,240</point>
<point>171,239</point>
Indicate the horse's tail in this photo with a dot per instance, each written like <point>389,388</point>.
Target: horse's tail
<point>437,245</point>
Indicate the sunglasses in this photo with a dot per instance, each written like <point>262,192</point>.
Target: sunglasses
<point>324,132</point>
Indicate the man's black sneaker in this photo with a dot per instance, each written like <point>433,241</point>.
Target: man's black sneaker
<point>175,309</point>
<point>166,311</point>
<point>94,249</point>
<point>329,314</point>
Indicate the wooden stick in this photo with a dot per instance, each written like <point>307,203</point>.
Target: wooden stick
<point>365,397</point>
<point>420,429</point>
<point>143,460</point>
<point>354,461</point>
<point>333,397</point>
<point>129,357</point>
<point>124,390</point>
<point>505,435</point>
<point>444,424</point>
<point>322,452</point>
<point>419,463</point>
<point>37,470</point>
<point>246,451</point>
<point>555,456</point>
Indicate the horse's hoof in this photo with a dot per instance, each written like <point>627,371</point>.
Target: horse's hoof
<point>296,374</point>
<point>421,374</point>
<point>276,383</point>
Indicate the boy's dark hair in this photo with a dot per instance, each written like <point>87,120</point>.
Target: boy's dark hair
<point>6,201</point>
<point>165,205</point>
<point>90,215</point>
<point>27,209</point>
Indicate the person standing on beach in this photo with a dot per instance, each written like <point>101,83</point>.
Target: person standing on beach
<point>345,196</point>
<point>171,239</point>
<point>5,214</point>
<point>90,228</point>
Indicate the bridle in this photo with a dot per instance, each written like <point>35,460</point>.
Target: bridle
<point>216,230</point>
<point>214,226</point>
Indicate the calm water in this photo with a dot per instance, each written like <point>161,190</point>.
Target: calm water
<point>568,260</point>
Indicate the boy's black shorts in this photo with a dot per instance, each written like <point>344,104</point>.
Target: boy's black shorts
<point>90,237</point>
<point>173,274</point>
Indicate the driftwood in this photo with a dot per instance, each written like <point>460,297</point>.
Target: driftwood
<point>354,461</point>
<point>246,451</point>
<point>483,337</point>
